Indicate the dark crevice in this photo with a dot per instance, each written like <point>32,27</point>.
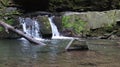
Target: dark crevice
<point>31,6</point>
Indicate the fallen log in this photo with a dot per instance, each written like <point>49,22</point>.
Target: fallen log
<point>8,27</point>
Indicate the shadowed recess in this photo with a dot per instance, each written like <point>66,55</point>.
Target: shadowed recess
<point>30,5</point>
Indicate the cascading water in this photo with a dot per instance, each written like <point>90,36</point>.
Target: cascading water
<point>30,26</point>
<point>55,32</point>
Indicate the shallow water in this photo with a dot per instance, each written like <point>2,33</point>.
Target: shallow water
<point>20,53</point>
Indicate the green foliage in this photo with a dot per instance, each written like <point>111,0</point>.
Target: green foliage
<point>7,13</point>
<point>73,22</point>
<point>1,29</point>
<point>83,5</point>
<point>110,27</point>
<point>5,10</point>
<point>4,2</point>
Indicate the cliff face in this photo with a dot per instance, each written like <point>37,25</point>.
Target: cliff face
<point>67,5</point>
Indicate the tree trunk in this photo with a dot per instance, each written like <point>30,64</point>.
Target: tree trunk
<point>11,28</point>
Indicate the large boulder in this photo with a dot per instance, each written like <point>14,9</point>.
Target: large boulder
<point>45,28</point>
<point>90,23</point>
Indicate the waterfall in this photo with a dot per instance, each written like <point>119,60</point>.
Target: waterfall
<point>55,32</point>
<point>30,26</point>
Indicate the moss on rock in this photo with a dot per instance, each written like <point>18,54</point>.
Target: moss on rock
<point>74,23</point>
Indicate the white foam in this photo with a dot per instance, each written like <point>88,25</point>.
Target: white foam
<point>63,37</point>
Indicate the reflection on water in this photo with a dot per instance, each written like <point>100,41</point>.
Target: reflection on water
<point>19,53</point>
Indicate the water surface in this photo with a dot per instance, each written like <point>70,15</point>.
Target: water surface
<point>20,53</point>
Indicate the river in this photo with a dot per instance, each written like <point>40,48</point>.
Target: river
<point>20,53</point>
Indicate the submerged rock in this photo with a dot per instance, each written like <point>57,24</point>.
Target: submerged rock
<point>76,44</point>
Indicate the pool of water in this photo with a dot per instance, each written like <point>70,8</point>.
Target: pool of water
<point>20,53</point>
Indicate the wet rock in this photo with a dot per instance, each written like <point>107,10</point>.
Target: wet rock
<point>45,28</point>
<point>10,9</point>
<point>58,22</point>
<point>47,36</point>
<point>67,32</point>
